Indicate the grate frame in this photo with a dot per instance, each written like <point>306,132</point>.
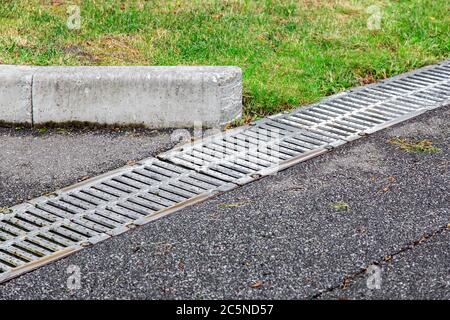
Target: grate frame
<point>331,122</point>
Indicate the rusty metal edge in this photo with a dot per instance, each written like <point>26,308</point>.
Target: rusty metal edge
<point>31,266</point>
<point>162,213</point>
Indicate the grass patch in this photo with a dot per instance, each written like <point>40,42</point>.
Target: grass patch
<point>421,146</point>
<point>42,130</point>
<point>340,206</point>
<point>291,52</point>
<point>232,205</point>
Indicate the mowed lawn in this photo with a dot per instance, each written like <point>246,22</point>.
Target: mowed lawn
<point>292,52</point>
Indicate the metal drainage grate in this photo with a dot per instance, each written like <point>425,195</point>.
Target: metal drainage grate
<point>51,227</point>
<point>279,141</point>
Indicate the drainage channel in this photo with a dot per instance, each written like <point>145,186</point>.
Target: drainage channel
<point>51,227</point>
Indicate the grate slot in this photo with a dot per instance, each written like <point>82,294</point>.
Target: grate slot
<point>145,205</point>
<point>78,228</point>
<point>63,236</point>
<point>119,187</point>
<point>88,198</point>
<point>73,203</point>
<point>157,199</point>
<point>21,254</point>
<point>119,183</point>
<point>215,181</point>
<point>21,250</point>
<point>36,246</point>
<point>20,223</point>
<point>135,208</point>
<point>45,243</point>
<point>10,260</point>
<point>100,223</point>
<point>99,195</point>
<point>4,235</point>
<point>187,187</point>
<point>124,212</point>
<point>58,209</point>
<point>7,228</point>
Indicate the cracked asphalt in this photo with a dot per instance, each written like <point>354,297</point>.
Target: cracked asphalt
<point>281,237</point>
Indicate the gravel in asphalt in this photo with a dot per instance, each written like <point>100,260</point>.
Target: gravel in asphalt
<point>304,233</point>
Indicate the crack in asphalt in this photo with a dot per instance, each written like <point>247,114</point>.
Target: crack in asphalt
<point>349,280</point>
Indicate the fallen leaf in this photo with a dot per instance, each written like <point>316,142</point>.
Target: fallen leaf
<point>131,162</point>
<point>4,210</point>
<point>256,284</point>
<point>181,265</point>
<point>346,283</point>
<point>50,194</point>
<point>218,16</point>
<point>84,178</point>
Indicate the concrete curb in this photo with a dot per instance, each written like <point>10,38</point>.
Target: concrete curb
<point>15,94</point>
<point>155,97</point>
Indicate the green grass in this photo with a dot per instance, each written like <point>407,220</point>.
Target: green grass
<point>421,146</point>
<point>340,206</point>
<point>291,52</point>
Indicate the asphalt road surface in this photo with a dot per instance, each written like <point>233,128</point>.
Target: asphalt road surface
<point>309,232</point>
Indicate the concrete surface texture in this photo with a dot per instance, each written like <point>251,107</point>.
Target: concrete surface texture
<point>15,94</point>
<point>156,97</point>
<point>308,232</point>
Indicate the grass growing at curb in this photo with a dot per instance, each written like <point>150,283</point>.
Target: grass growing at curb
<point>422,146</point>
<point>291,52</point>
